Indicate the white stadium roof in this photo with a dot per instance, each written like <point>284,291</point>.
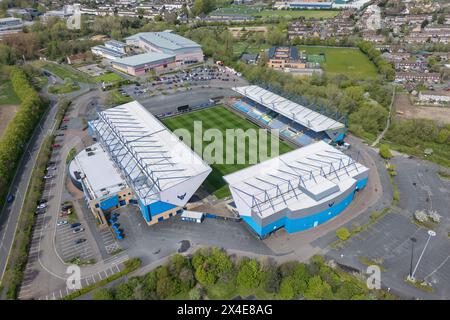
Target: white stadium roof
<point>151,157</point>
<point>291,110</point>
<point>296,180</point>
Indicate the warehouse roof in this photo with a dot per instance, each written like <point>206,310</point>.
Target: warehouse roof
<point>298,179</point>
<point>166,40</point>
<point>151,157</point>
<point>291,110</point>
<point>142,59</point>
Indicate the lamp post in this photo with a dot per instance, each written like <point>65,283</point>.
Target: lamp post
<point>431,234</point>
<point>413,241</point>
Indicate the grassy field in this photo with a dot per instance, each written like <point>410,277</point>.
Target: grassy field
<point>288,14</point>
<point>109,77</point>
<point>63,88</point>
<point>7,94</point>
<point>115,98</point>
<point>65,72</point>
<point>219,118</point>
<point>349,61</point>
<point>295,14</point>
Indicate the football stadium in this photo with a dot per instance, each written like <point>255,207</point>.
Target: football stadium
<point>304,185</point>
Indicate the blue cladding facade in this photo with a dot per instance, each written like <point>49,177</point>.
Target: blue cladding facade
<point>308,222</point>
<point>145,210</point>
<point>109,203</point>
<point>154,209</point>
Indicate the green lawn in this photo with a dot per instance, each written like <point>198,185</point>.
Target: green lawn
<point>288,14</point>
<point>219,118</point>
<point>115,98</point>
<point>65,72</point>
<point>349,61</point>
<point>109,77</point>
<point>7,94</point>
<point>295,14</point>
<point>63,88</point>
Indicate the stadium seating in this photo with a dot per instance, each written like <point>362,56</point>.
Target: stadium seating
<point>277,124</point>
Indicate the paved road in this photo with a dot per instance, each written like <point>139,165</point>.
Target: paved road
<point>10,214</point>
<point>169,103</point>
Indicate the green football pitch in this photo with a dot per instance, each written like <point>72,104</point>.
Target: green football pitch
<point>221,118</point>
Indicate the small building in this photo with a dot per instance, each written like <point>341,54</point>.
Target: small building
<point>192,216</point>
<point>249,58</point>
<point>77,58</point>
<point>117,46</point>
<point>140,64</point>
<point>282,58</point>
<point>434,97</point>
<point>106,52</point>
<point>10,25</point>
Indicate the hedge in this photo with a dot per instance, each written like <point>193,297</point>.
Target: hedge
<point>130,266</point>
<point>19,129</point>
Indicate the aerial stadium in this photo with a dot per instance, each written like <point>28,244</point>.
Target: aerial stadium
<point>310,183</point>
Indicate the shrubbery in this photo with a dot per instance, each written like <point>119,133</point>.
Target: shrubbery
<point>240,276</point>
<point>19,129</point>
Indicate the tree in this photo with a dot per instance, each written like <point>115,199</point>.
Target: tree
<point>287,289</point>
<point>343,233</point>
<point>385,153</point>
<point>195,293</point>
<point>103,294</point>
<point>318,289</point>
<point>272,279</point>
<point>249,275</point>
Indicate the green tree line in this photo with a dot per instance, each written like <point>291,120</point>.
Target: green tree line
<point>210,273</point>
<point>19,129</point>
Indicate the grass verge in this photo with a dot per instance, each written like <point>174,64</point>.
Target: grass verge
<point>130,266</point>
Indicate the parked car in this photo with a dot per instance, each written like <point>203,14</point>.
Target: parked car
<point>74,225</point>
<point>48,176</point>
<point>41,206</point>
<point>10,198</point>
<point>77,230</point>
<point>59,135</point>
<point>51,168</point>
<point>40,211</point>
<point>78,241</point>
<point>56,145</point>
<point>42,201</point>
<point>61,222</point>
<point>65,207</point>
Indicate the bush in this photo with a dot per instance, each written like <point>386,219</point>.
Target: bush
<point>385,153</point>
<point>343,233</point>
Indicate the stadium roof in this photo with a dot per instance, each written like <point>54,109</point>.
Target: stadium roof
<point>296,180</point>
<point>166,40</point>
<point>291,110</point>
<point>151,157</point>
<point>100,176</point>
<point>142,59</point>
